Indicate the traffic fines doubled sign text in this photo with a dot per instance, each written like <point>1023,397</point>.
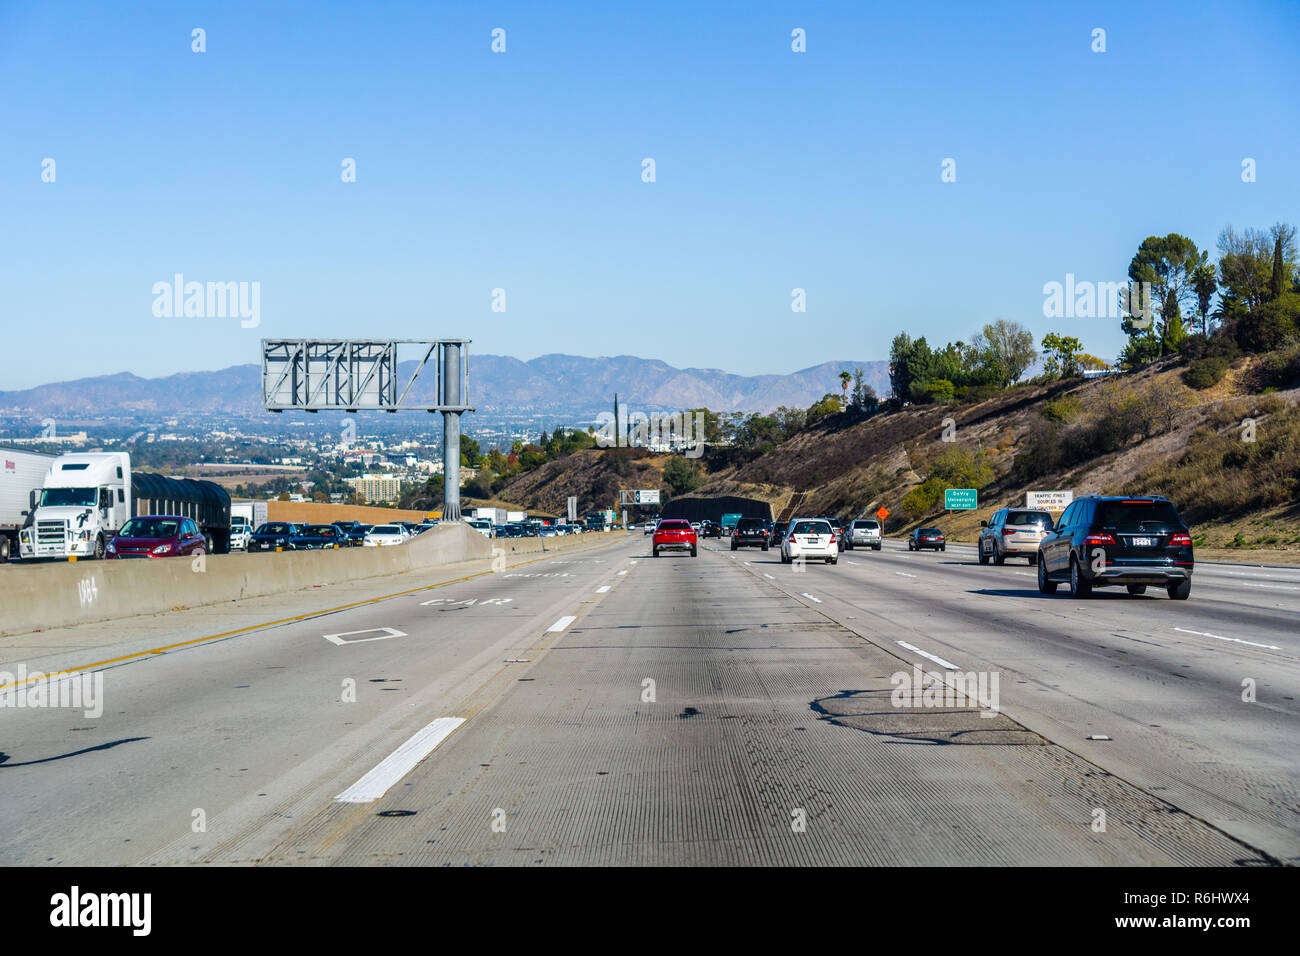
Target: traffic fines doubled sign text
<point>1049,500</point>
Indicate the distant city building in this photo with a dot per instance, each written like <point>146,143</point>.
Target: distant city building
<point>378,487</point>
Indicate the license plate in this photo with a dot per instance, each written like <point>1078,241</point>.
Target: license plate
<point>1142,542</point>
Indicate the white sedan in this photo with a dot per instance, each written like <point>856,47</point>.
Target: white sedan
<point>810,538</point>
<point>384,534</point>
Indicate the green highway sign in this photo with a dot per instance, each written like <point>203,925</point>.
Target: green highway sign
<point>960,499</point>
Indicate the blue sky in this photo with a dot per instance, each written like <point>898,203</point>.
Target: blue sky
<point>522,171</point>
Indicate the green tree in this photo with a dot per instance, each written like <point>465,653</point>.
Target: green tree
<point>845,378</point>
<point>1003,350</point>
<point>1204,285</point>
<point>682,476</point>
<point>1167,264</point>
<point>1061,355</point>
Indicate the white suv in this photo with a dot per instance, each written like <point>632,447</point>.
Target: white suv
<point>239,532</point>
<point>864,532</point>
<point>810,538</point>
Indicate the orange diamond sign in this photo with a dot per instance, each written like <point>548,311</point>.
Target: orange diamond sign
<point>882,514</point>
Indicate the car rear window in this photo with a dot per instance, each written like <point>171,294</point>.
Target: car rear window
<point>1029,518</point>
<point>751,524</point>
<point>930,531</point>
<point>674,525</point>
<point>866,524</point>
<point>812,527</point>
<point>1117,514</point>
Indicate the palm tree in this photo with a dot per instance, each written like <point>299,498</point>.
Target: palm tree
<point>845,378</point>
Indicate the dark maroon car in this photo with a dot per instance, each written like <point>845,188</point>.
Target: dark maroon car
<point>157,536</point>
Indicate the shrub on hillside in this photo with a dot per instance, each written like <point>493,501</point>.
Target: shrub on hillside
<point>1206,372</point>
<point>1278,369</point>
<point>1039,453</point>
<point>1219,475</point>
<point>682,476</point>
<point>1063,409</point>
<point>973,394</point>
<point>923,499</point>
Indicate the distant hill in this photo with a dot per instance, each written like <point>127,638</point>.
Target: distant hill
<point>561,385</point>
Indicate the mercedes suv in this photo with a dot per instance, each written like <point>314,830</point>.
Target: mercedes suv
<point>1117,542</point>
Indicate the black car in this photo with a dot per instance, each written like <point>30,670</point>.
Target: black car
<point>1113,541</point>
<point>750,533</point>
<point>778,532</point>
<point>273,536</point>
<point>315,537</point>
<point>352,533</point>
<point>923,538</point>
<point>710,529</point>
<point>837,527</point>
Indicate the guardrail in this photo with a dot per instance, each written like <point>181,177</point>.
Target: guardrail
<point>63,594</point>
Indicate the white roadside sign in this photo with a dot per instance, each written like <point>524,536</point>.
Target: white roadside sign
<point>1049,500</point>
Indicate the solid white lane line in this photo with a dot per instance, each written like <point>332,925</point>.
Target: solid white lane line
<point>926,654</point>
<point>562,623</point>
<point>399,763</point>
<point>602,589</point>
<point>766,575</point>
<point>1235,640</point>
<point>905,574</point>
<point>811,598</point>
<point>1212,569</point>
<point>1275,587</point>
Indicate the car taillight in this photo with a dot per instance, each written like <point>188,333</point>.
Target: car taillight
<point>1097,540</point>
<point>1181,541</point>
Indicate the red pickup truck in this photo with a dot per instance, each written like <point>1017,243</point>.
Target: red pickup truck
<point>674,534</point>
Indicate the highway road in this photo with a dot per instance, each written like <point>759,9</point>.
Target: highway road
<point>605,707</point>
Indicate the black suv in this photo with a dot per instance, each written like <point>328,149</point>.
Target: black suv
<point>710,529</point>
<point>749,533</point>
<point>1115,541</point>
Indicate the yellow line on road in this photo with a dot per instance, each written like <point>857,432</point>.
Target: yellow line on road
<point>285,620</point>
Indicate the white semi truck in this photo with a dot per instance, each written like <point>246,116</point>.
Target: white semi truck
<point>85,498</point>
<point>21,474</point>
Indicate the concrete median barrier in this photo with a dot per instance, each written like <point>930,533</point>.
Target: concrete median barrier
<point>61,594</point>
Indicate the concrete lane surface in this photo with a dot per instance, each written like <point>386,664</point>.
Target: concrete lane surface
<point>605,707</point>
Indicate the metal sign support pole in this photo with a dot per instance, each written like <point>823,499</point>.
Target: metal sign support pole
<point>451,379</point>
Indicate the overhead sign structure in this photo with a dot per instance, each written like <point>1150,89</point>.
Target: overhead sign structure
<point>351,375</point>
<point>1049,500</point>
<point>961,499</point>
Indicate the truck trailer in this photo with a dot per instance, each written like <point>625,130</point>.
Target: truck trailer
<point>21,475</point>
<point>85,498</point>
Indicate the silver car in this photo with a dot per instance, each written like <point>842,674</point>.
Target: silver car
<point>1013,533</point>
<point>865,533</point>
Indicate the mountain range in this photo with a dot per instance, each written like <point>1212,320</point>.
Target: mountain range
<point>552,385</point>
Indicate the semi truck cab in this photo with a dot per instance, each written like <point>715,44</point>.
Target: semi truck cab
<point>80,506</point>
